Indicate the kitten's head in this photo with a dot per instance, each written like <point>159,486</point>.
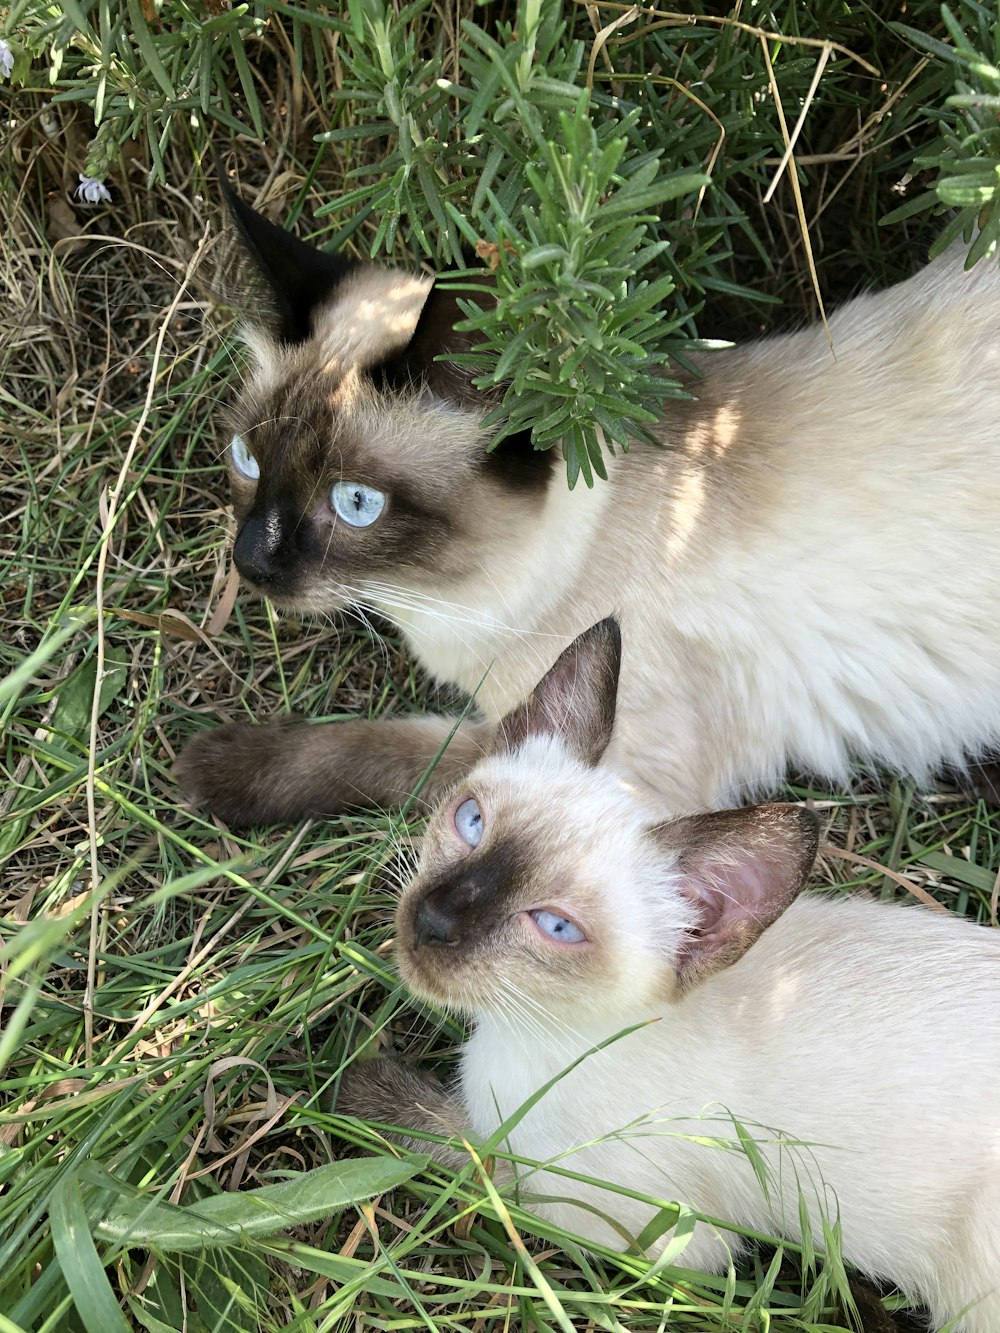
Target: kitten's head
<point>545,884</point>
<point>356,458</point>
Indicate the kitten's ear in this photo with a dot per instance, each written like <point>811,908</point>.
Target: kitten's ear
<point>740,869</point>
<point>297,277</point>
<point>575,700</point>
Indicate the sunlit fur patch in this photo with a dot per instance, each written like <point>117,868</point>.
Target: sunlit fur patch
<point>373,312</point>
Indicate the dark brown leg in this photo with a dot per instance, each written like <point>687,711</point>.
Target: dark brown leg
<point>284,771</point>
<point>392,1093</point>
<point>983,779</point>
<point>980,781</point>
<point>873,1316</point>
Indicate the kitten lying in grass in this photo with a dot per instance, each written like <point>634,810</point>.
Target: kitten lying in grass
<point>857,1043</point>
<point>807,572</point>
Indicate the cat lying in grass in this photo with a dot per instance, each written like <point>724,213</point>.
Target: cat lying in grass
<point>807,571</point>
<point>856,1042</point>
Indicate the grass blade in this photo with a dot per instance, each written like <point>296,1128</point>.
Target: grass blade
<point>78,1258</point>
<point>224,1219</point>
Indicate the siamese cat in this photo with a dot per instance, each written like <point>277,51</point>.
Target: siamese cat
<point>807,569</point>
<point>670,984</point>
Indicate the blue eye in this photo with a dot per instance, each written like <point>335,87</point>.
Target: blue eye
<point>243,460</point>
<point>557,927</point>
<point>469,822</point>
<point>357,505</point>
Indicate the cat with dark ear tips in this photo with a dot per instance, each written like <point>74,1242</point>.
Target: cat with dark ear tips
<point>670,993</point>
<point>806,573</point>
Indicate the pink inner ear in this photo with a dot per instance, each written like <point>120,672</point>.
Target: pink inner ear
<point>736,899</point>
<point>575,699</point>
<point>724,894</point>
<point>739,869</point>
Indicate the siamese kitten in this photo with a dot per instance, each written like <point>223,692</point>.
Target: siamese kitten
<point>858,1043</point>
<point>807,571</point>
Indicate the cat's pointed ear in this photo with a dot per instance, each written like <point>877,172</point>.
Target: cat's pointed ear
<point>434,335</point>
<point>739,869</point>
<point>298,278</point>
<point>575,700</point>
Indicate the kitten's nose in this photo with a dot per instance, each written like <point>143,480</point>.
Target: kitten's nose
<point>433,926</point>
<point>258,549</point>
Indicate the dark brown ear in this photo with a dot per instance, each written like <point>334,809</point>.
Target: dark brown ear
<point>435,335</point>
<point>297,277</point>
<point>741,869</point>
<point>516,463</point>
<point>575,700</point>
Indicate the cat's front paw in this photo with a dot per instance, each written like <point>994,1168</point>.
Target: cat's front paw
<point>983,780</point>
<point>387,1091</point>
<point>241,773</point>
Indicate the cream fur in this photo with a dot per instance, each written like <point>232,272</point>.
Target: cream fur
<point>806,574</point>
<point>809,573</point>
<point>858,1043</point>
<point>373,309</point>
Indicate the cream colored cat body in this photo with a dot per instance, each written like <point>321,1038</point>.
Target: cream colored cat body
<point>857,1044</point>
<point>807,573</point>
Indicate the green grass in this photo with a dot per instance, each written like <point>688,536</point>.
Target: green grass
<point>179,1001</point>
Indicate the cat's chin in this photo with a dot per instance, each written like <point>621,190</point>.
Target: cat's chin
<point>301,603</point>
<point>447,991</point>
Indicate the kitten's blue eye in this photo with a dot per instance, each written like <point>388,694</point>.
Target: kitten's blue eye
<point>469,822</point>
<point>356,504</point>
<point>557,927</point>
<point>243,460</point>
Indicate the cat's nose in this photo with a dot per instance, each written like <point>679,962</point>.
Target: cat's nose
<point>433,925</point>
<point>258,549</point>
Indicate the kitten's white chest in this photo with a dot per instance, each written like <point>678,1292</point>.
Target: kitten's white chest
<point>598,1120</point>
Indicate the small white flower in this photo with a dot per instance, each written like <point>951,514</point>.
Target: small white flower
<point>91,191</point>
<point>6,58</point>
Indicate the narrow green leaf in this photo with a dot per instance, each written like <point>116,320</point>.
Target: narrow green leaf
<point>754,1156</point>
<point>984,101</point>
<point>543,254</point>
<point>954,190</point>
<point>224,1219</point>
<point>927,43</point>
<point>952,231</point>
<point>77,17</point>
<point>246,81</point>
<point>337,1266</point>
<point>658,1225</point>
<point>955,867</point>
<point>985,244</point>
<point>81,1267</point>
<point>920,204</point>
<point>670,187</point>
<point>147,47</point>
<point>143,1318</point>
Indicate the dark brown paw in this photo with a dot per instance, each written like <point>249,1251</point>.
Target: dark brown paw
<point>980,780</point>
<point>983,782</point>
<point>284,771</point>
<point>386,1090</point>
<point>873,1316</point>
<point>240,773</point>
